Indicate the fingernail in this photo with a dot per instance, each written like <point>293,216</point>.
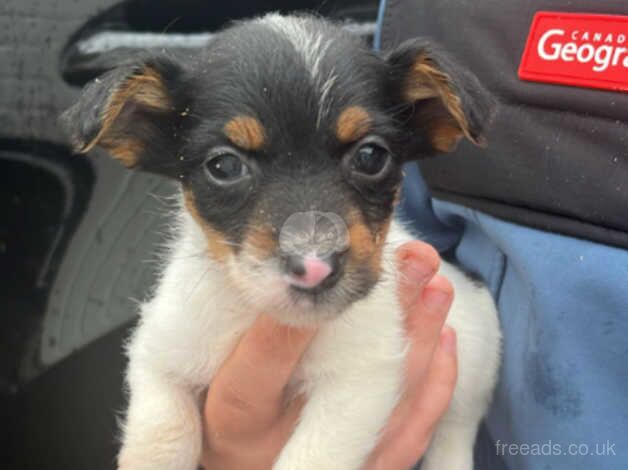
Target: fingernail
<point>448,340</point>
<point>417,270</point>
<point>435,299</point>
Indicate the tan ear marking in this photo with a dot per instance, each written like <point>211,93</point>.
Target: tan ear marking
<point>126,151</point>
<point>425,81</point>
<point>245,132</point>
<point>145,88</point>
<point>444,135</point>
<point>353,123</point>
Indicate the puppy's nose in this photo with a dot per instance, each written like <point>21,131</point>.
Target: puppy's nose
<point>310,271</point>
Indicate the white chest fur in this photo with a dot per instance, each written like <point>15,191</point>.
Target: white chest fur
<point>354,364</point>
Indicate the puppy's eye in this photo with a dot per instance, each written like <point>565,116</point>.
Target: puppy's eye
<point>225,167</point>
<point>370,159</point>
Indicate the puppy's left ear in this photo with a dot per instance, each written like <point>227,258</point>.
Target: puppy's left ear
<point>134,112</point>
<point>446,101</point>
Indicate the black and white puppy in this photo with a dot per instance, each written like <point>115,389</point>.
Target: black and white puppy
<point>288,136</point>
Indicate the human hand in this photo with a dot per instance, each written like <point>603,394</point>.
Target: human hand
<point>248,420</point>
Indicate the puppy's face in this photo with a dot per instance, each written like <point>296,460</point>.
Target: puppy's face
<point>287,135</point>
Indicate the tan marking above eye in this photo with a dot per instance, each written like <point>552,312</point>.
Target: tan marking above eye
<point>353,123</point>
<point>245,132</point>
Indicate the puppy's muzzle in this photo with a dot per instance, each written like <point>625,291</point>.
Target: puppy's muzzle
<point>313,247</point>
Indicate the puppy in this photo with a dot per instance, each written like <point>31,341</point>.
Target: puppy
<point>287,136</point>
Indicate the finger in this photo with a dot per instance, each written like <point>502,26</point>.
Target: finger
<point>441,381</point>
<point>417,263</point>
<point>432,400</point>
<point>258,450</point>
<point>403,448</point>
<point>424,331</point>
<point>249,386</point>
<point>424,323</point>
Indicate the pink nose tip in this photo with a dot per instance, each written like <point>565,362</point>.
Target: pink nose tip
<point>314,271</point>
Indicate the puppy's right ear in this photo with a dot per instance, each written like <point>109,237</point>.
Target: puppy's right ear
<point>134,112</point>
<point>446,101</point>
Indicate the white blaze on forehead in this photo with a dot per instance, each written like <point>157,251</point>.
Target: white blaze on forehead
<point>325,100</point>
<point>312,46</point>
